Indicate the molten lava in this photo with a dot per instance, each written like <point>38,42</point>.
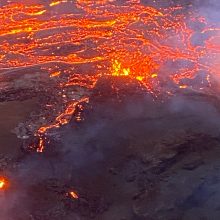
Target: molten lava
<point>74,195</point>
<point>112,39</point>
<point>2,183</point>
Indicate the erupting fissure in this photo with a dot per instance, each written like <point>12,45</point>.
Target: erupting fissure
<point>112,39</point>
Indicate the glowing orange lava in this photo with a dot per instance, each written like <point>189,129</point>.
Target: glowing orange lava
<point>74,195</point>
<point>109,38</point>
<point>2,183</point>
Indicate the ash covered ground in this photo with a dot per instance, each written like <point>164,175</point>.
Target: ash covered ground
<point>131,156</point>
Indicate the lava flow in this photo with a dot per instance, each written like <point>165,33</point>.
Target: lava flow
<point>106,38</point>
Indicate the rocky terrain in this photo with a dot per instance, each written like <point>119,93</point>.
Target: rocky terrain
<point>139,158</point>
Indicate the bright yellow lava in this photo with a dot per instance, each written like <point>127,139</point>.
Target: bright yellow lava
<point>2,183</point>
<point>74,195</point>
